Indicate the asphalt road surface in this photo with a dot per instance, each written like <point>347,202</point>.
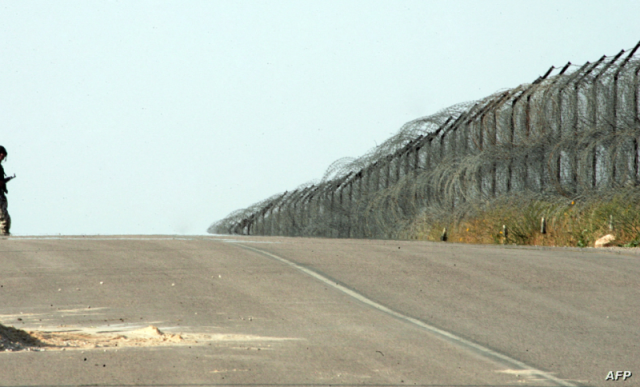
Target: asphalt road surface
<point>250,311</point>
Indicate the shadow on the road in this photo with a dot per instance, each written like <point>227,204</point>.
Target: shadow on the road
<point>13,339</point>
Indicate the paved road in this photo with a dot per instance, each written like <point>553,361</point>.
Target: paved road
<point>295,311</point>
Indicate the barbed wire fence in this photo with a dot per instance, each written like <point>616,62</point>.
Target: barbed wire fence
<point>572,132</point>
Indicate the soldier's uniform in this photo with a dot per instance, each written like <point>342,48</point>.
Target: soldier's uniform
<point>5,219</point>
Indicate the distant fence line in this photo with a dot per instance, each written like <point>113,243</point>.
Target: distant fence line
<point>572,131</point>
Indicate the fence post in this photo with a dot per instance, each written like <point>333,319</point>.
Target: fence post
<point>624,156</point>
<point>378,171</point>
<point>636,119</point>
<point>584,168</point>
<point>568,129</point>
<point>551,106</point>
<point>512,140</point>
<point>541,159</point>
<point>496,106</point>
<point>391,170</point>
<point>520,133</point>
<point>605,176</point>
<point>428,167</point>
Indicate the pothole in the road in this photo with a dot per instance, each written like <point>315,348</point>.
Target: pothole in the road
<point>13,339</point>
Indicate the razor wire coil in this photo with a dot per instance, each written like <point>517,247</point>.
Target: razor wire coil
<point>571,133</point>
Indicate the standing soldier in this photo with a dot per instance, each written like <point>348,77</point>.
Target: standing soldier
<point>5,219</point>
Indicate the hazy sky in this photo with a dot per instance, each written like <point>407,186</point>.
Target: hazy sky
<point>161,117</point>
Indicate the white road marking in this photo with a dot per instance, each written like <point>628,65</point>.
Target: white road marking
<point>503,360</point>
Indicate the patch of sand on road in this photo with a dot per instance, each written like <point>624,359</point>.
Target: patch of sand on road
<point>149,336</point>
<point>12,339</point>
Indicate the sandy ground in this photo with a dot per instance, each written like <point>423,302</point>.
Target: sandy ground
<point>13,339</point>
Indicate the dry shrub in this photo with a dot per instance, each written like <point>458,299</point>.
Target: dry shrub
<point>569,222</point>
